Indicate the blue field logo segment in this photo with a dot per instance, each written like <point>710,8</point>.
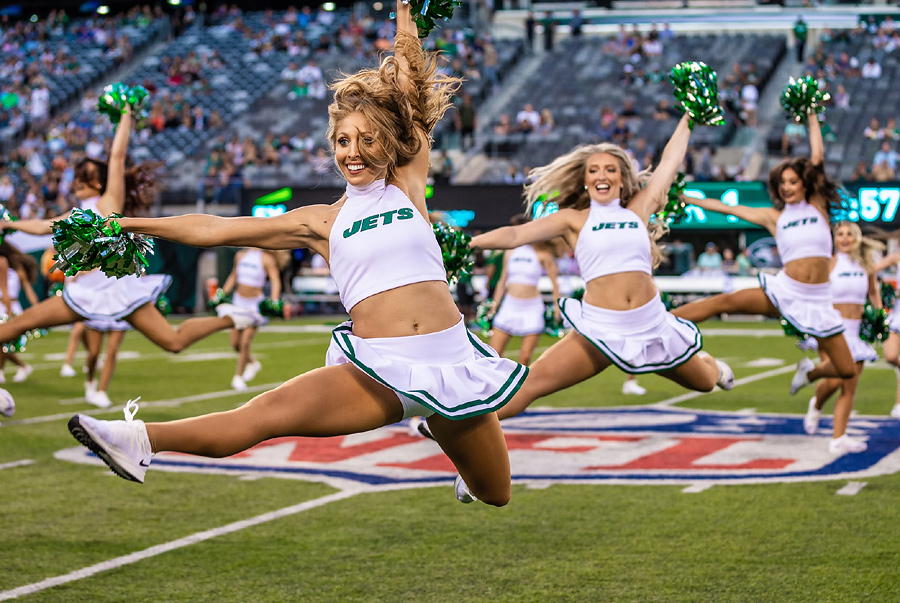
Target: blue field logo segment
<point>632,445</point>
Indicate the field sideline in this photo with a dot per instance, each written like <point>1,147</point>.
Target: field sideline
<point>374,517</point>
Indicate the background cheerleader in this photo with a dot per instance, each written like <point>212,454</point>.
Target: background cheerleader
<point>17,273</point>
<point>892,344</point>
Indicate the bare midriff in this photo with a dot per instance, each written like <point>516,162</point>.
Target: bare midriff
<point>812,271</point>
<point>621,291</point>
<point>522,291</point>
<point>415,309</point>
<point>852,311</point>
<point>247,290</point>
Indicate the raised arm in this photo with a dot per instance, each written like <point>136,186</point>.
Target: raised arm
<point>887,261</point>
<point>875,292</point>
<point>555,225</point>
<point>287,231</point>
<point>652,198</point>
<point>231,281</point>
<point>405,25</point>
<point>816,143</point>
<point>761,216</point>
<point>113,199</point>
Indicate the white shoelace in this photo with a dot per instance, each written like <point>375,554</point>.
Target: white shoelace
<point>131,408</point>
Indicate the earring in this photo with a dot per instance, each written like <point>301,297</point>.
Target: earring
<point>585,187</point>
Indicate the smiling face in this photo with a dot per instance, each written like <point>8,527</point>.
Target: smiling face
<point>845,239</point>
<point>603,178</point>
<point>791,187</point>
<point>354,137</point>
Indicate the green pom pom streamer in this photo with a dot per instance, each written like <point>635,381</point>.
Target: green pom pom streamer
<point>56,289</point>
<point>792,331</point>
<point>83,242</point>
<point>697,93</point>
<point>484,317</point>
<point>888,294</point>
<point>426,12</point>
<point>271,307</point>
<point>5,216</point>
<point>117,97</point>
<point>164,305</point>
<point>578,294</point>
<point>803,96</point>
<point>674,210</point>
<point>218,298</point>
<point>874,325</point>
<point>20,343</point>
<point>455,251</point>
<point>552,325</point>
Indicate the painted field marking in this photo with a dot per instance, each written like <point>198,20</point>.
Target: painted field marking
<point>851,489</point>
<point>699,487</point>
<point>741,381</point>
<point>159,549</point>
<point>12,464</point>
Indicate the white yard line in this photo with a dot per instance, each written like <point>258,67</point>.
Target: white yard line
<point>851,489</point>
<point>741,381</point>
<point>696,488</point>
<point>159,549</point>
<point>21,463</point>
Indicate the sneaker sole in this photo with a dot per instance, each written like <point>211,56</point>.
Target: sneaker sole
<point>84,436</point>
<point>425,431</point>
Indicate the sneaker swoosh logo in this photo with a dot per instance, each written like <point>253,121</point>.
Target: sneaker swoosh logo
<point>143,463</point>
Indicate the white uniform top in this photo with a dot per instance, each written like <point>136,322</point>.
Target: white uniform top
<point>849,281</point>
<point>523,266</point>
<point>250,270</point>
<point>13,284</point>
<point>613,240</point>
<point>380,241</point>
<point>802,232</point>
<point>90,203</point>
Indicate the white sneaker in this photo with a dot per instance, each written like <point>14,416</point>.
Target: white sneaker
<point>895,412</point>
<point>99,399</point>
<point>412,429</point>
<point>123,445</point>
<point>811,420</point>
<point>2,377</point>
<point>242,319</point>
<point>238,383</point>
<point>801,379</point>
<point>251,370</point>
<point>726,376</point>
<point>463,494</point>
<point>631,387</point>
<point>846,445</point>
<point>7,404</point>
<point>22,373</point>
<point>90,388</point>
<point>67,371</point>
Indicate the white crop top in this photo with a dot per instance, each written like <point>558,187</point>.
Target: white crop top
<point>13,284</point>
<point>849,281</point>
<point>523,266</point>
<point>90,203</point>
<point>380,241</point>
<point>250,271</point>
<point>802,232</point>
<point>613,240</point>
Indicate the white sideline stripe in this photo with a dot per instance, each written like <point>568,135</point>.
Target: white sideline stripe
<point>21,463</point>
<point>741,381</point>
<point>699,487</point>
<point>168,403</point>
<point>851,489</point>
<point>159,549</point>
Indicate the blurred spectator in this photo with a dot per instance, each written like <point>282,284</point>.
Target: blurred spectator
<point>576,24</point>
<point>269,150</point>
<point>313,79</point>
<point>749,99</point>
<point>514,175</point>
<point>607,123</point>
<point>800,33</point>
<point>793,133</point>
<point>882,172</point>
<point>489,63</point>
<point>841,98</point>
<point>549,24</point>
<point>442,169</point>
<point>871,69</point>
<point>653,46</point>
<point>621,134</point>
<point>547,122</point>
<point>710,260</point>
<point>665,111</point>
<point>873,130</point>
<point>503,125</point>
<point>886,155</point>
<point>628,110</point>
<point>465,121</point>
<point>530,24</point>
<point>528,120</point>
<point>861,173</point>
<point>890,130</point>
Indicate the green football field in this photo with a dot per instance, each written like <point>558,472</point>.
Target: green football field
<point>71,531</point>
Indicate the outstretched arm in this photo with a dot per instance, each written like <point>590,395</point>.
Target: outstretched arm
<point>231,281</point>
<point>887,261</point>
<point>652,198</point>
<point>816,143</point>
<point>27,288</point>
<point>875,292</point>
<point>291,230</point>
<point>510,237</point>
<point>761,216</point>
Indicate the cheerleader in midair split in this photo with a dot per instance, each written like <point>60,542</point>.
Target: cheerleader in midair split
<point>604,215</point>
<point>108,188</point>
<point>247,279</point>
<point>803,198</point>
<point>17,273</point>
<point>852,282</point>
<point>406,350</point>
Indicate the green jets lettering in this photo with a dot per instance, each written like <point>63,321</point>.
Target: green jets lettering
<point>614,225</point>
<point>370,222</point>
<point>812,220</point>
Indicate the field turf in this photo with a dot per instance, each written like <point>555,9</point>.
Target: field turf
<point>763,542</point>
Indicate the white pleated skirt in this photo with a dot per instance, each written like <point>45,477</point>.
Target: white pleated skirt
<point>451,372</point>
<point>861,350</point>
<point>250,304</point>
<point>98,297</point>
<point>520,316</point>
<point>643,340</point>
<point>894,320</point>
<point>807,307</point>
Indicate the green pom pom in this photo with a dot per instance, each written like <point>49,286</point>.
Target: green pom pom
<point>792,331</point>
<point>484,317</point>
<point>674,210</point>
<point>874,324</point>
<point>164,305</point>
<point>117,97</point>
<point>668,301</point>
<point>578,294</point>
<point>84,242</point>
<point>888,294</point>
<point>20,343</point>
<point>5,216</point>
<point>218,298</point>
<point>426,12</point>
<point>56,289</point>
<point>803,96</point>
<point>271,307</point>
<point>455,251</point>
<point>697,93</point>
<point>552,325</point>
